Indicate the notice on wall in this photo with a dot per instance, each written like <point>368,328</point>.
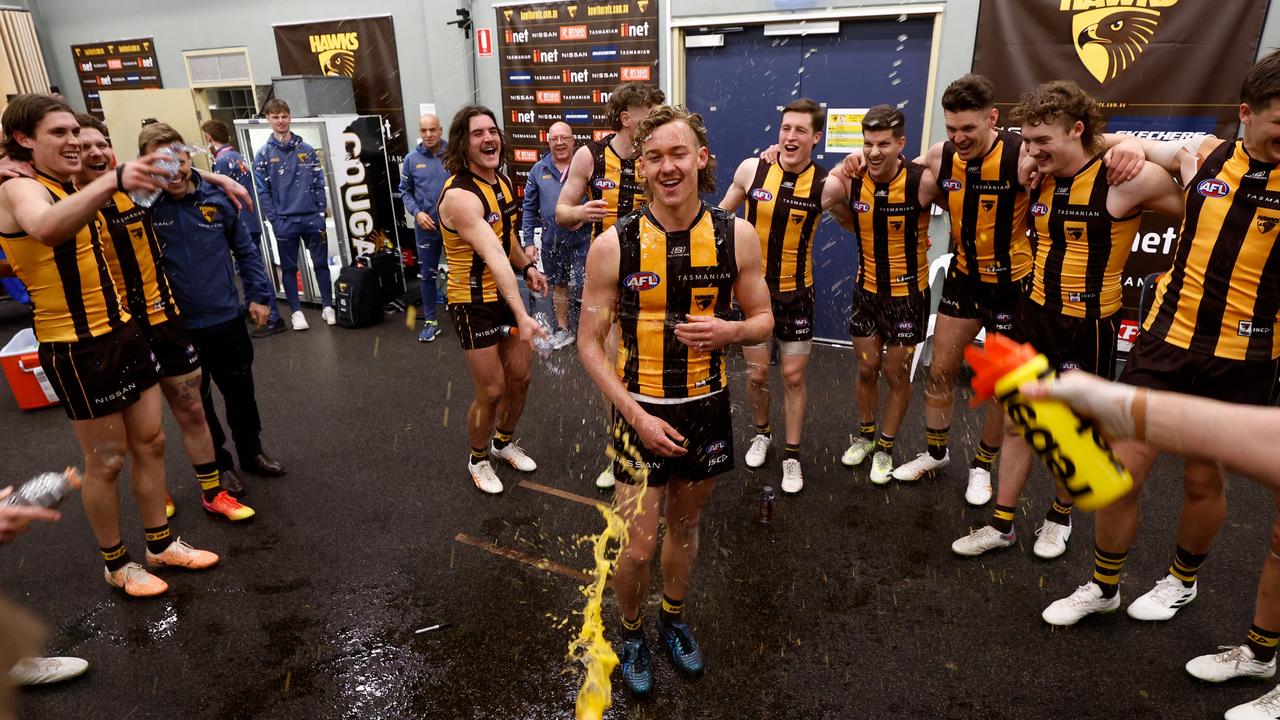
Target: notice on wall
<point>844,130</point>
<point>559,61</point>
<point>115,65</point>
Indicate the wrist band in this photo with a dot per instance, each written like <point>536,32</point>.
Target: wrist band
<point>524,271</point>
<point>1139,412</point>
<point>120,177</point>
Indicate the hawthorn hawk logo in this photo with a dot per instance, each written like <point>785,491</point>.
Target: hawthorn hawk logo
<point>1111,38</point>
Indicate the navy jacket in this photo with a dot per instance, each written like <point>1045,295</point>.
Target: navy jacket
<point>198,234</point>
<point>541,191</point>
<point>228,161</point>
<point>421,179</point>
<point>290,182</point>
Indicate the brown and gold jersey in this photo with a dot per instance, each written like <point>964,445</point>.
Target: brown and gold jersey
<point>988,208</point>
<point>892,231</point>
<point>614,181</point>
<point>1080,249</point>
<point>663,276</point>
<point>136,250</point>
<point>1222,294</point>
<point>470,279</point>
<point>785,207</point>
<point>73,287</point>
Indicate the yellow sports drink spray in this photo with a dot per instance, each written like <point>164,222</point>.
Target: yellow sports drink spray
<point>1069,445</point>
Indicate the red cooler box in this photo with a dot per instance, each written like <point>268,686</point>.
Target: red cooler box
<point>30,386</point>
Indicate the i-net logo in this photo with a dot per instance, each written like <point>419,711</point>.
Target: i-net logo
<point>514,36</point>
<point>575,76</point>
<point>546,56</point>
<point>634,30</point>
<point>573,32</point>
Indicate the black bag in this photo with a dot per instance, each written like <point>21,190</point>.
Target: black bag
<point>356,297</point>
<point>390,276</point>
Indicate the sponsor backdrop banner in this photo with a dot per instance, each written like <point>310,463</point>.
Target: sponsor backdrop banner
<point>363,49</point>
<point>1163,69</point>
<point>561,60</point>
<point>117,65</point>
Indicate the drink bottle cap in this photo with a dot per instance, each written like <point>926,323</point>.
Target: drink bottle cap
<point>998,357</point>
<point>73,477</point>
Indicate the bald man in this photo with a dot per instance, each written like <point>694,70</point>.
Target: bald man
<point>421,181</point>
<point>564,252</point>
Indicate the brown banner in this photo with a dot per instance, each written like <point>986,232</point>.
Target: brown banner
<point>116,65</point>
<point>1163,69</point>
<point>560,61</point>
<point>363,49</point>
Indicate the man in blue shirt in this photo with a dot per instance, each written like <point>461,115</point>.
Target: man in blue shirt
<point>199,231</point>
<point>564,252</point>
<point>421,180</point>
<point>228,161</point>
<point>292,196</point>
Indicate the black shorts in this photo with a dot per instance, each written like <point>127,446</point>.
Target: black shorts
<point>967,298</point>
<point>1070,343</point>
<point>480,325</point>
<point>1156,364</point>
<point>103,375</point>
<point>895,320</point>
<point>793,315</point>
<point>707,428</point>
<point>172,347</point>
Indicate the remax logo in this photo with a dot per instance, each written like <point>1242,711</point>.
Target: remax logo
<point>604,183</point>
<point>525,155</point>
<point>1039,209</point>
<point>548,97</point>
<point>641,281</point>
<point>862,206</point>
<point>1213,188</point>
<point>573,32</point>
<point>636,73</point>
<point>761,194</point>
<point>952,185</point>
<point>600,134</point>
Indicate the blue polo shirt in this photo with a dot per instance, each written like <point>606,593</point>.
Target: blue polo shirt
<point>541,191</point>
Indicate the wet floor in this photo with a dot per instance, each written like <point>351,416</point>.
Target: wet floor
<point>850,605</point>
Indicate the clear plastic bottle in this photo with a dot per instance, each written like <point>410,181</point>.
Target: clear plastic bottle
<point>766,505</point>
<point>47,489</point>
<point>167,162</point>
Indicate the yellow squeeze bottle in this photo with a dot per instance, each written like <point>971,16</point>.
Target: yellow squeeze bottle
<point>1072,449</point>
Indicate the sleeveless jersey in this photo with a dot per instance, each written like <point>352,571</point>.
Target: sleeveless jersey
<point>988,210</point>
<point>892,231</point>
<point>785,207</point>
<point>136,249</point>
<point>614,181</point>
<point>470,279</point>
<point>664,276</point>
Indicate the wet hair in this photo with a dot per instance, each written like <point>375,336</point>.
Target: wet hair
<point>275,106</point>
<point>667,114</point>
<point>158,134</point>
<point>217,130</point>
<point>22,115</point>
<point>969,92</point>
<point>1262,84</point>
<point>1062,99</point>
<point>455,158</point>
<point>631,95</point>
<point>89,122</point>
<point>812,108</point>
<point>885,117</point>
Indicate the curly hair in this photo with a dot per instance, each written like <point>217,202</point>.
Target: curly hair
<point>666,114</point>
<point>1062,99</point>
<point>455,158</point>
<point>631,95</point>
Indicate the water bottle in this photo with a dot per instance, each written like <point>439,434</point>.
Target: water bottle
<point>46,490</point>
<point>766,505</point>
<point>1072,449</point>
<point>169,163</point>
<point>542,345</point>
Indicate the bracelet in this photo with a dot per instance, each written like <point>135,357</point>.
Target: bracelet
<point>524,271</point>
<point>120,177</point>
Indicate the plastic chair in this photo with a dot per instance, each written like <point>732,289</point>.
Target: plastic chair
<point>937,268</point>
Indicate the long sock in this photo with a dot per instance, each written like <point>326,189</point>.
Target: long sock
<point>868,430</point>
<point>158,538</point>
<point>115,557</point>
<point>937,439</point>
<point>1002,519</point>
<point>886,444</point>
<point>631,628</point>
<point>1185,566</point>
<point>1106,570</point>
<point>765,430</point>
<point>791,452</point>
<point>502,438</point>
<point>985,457</point>
<point>1059,513</point>
<point>1262,643</point>
<point>672,610</point>
<point>209,478</point>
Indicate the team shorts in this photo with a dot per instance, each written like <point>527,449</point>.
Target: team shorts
<point>895,320</point>
<point>1156,364</point>
<point>707,427</point>
<point>103,375</point>
<point>793,315</point>
<point>1070,343</point>
<point>172,347</point>
<point>480,325</point>
<point>995,305</point>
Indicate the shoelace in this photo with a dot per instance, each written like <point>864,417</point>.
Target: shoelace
<point>683,642</point>
<point>759,443</point>
<point>1082,596</point>
<point>1270,701</point>
<point>1168,590</point>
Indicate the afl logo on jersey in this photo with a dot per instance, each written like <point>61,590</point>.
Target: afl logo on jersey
<point>493,218</point>
<point>1039,209</point>
<point>604,184</point>
<point>951,185</point>
<point>1213,188</point>
<point>862,206</point>
<point>761,195</point>
<point>641,281</point>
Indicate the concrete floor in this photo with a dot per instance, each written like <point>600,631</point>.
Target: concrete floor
<point>850,605</point>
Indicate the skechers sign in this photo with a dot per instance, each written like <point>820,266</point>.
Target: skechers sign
<point>641,281</point>
<point>1213,188</point>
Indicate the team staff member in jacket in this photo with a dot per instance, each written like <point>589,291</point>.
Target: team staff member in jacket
<point>421,181</point>
<point>229,162</point>
<point>199,230</point>
<point>291,192</point>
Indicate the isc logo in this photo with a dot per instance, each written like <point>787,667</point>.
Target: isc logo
<point>604,183</point>
<point>862,206</point>
<point>761,195</point>
<point>641,281</point>
<point>1213,188</point>
<point>952,185</point>
<point>1039,209</point>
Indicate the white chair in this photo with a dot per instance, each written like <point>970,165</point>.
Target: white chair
<point>937,268</point>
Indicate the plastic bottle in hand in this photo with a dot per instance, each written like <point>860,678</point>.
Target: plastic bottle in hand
<point>1072,449</point>
<point>541,344</point>
<point>46,490</point>
<point>168,163</point>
